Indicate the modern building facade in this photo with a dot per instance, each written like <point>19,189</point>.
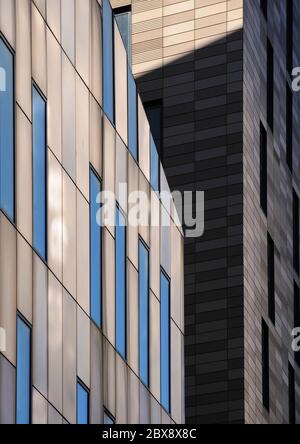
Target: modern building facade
<point>91,315</point>
<point>215,80</point>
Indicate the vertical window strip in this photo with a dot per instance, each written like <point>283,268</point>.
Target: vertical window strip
<point>289,127</point>
<point>132,116</point>
<point>82,412</point>
<point>271,279</point>
<point>296,232</point>
<point>144,313</point>
<point>265,365</point>
<point>165,341</point>
<point>121,300</point>
<point>292,405</point>
<point>263,170</point>
<point>270,84</point>
<point>108,62</point>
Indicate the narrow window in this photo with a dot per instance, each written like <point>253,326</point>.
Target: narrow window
<point>121,305</point>
<point>123,19</point>
<point>292,406</point>
<point>296,232</point>
<point>132,116</point>
<point>289,36</point>
<point>39,166</point>
<point>265,365</point>
<point>7,130</point>
<point>263,170</point>
<point>270,85</point>
<point>144,312</point>
<point>289,127</point>
<point>154,165</point>
<point>165,341</point>
<point>108,61</point>
<point>264,8</point>
<point>297,317</point>
<point>23,389</point>
<point>95,250</point>
<point>154,113</point>
<point>82,404</point>
<point>271,279</point>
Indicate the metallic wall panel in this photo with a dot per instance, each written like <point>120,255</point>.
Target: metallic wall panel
<point>82,136</point>
<point>68,28</point>
<point>121,390</point>
<point>83,38</point>
<point>24,278</point>
<point>83,347</point>
<point>69,358</point>
<point>133,318</point>
<point>177,374</point>
<point>155,411</point>
<point>155,245</point>
<point>54,225</point>
<point>8,285</point>
<point>39,408</point>
<point>132,230</point>
<point>53,10</point>
<point>23,56</point>
<point>55,337</point>
<point>24,175</point>
<point>39,53</point>
<point>69,235</point>
<point>176,276</point>
<point>120,85</point>
<point>144,140</point>
<point>96,52</point>
<point>40,326</point>
<point>133,398</point>
<point>68,117</point>
<point>109,159</point>
<point>144,405</point>
<point>144,230</point>
<point>165,241</point>
<point>53,415</point>
<point>96,393</point>
<point>109,377</point>
<point>7,391</point>
<point>96,123</point>
<point>7,20</point>
<point>121,173</point>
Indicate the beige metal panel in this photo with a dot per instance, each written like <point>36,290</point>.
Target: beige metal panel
<point>132,230</point>
<point>109,377</point>
<point>69,235</point>
<point>144,405</point>
<point>68,117</point>
<point>82,136</point>
<point>133,398</point>
<point>154,354</point>
<point>83,256</point>
<point>54,225</point>
<point>23,55</point>
<point>8,285</point>
<point>53,416</point>
<point>177,374</point>
<point>144,140</point>
<point>95,135</point>
<point>69,358</point>
<point>7,20</point>
<point>121,391</point>
<point>96,393</point>
<point>41,5</point>
<point>155,245</point>
<point>83,38</point>
<point>83,347</point>
<point>121,173</point>
<point>109,287</point>
<point>40,329</point>
<point>68,28</point>
<point>24,278</point>
<point>176,275</point>
<point>96,52</point>
<point>144,225</point>
<point>109,160</point>
<point>7,392</point>
<point>24,175</point>
<point>54,89</point>
<point>39,408</point>
<point>133,318</point>
<point>55,337</point>
<point>38,39</point>
<point>165,418</point>
<point>120,85</point>
<point>54,17</point>
<point>155,411</point>
<point>165,245</point>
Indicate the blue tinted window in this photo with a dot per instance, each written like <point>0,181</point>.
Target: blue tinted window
<point>82,405</point>
<point>23,373</point>
<point>165,341</point>
<point>108,65</point>
<point>132,115</point>
<point>95,249</point>
<point>120,284</point>
<point>144,312</point>
<point>123,19</point>
<point>39,165</point>
<point>154,165</point>
<point>6,131</point>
